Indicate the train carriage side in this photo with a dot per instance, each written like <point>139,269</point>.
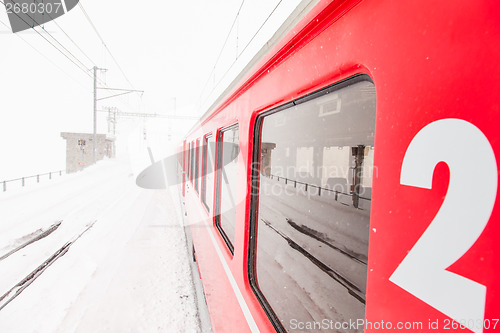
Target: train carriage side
<point>349,180</point>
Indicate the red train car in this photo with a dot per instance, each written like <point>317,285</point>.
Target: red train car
<point>354,187</point>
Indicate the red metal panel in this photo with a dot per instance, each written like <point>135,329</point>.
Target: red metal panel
<point>184,167</point>
<point>430,61</point>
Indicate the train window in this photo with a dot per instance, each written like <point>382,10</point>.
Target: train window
<point>204,169</point>
<point>188,152</point>
<point>208,172</point>
<point>197,166</point>
<point>227,177</point>
<point>311,208</point>
<point>190,159</point>
<point>189,162</point>
<point>192,162</point>
<point>184,160</point>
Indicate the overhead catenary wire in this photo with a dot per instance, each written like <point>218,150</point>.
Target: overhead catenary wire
<point>76,61</point>
<point>238,55</point>
<point>64,32</point>
<point>222,49</point>
<point>258,30</point>
<point>46,58</point>
<point>81,65</point>
<point>87,16</point>
<point>53,38</point>
<point>74,43</point>
<point>104,43</point>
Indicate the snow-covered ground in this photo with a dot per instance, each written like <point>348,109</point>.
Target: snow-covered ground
<point>126,269</point>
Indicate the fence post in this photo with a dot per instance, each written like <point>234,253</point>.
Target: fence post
<point>319,191</point>
<point>23,179</point>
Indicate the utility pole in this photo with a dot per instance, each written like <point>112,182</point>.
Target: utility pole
<point>94,136</point>
<point>94,139</point>
<point>124,92</point>
<point>111,120</point>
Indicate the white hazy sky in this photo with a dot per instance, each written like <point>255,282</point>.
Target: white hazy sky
<point>167,48</point>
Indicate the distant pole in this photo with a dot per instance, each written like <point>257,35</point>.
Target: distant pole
<point>109,120</point>
<point>94,145</point>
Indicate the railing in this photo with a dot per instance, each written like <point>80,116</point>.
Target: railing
<point>23,179</point>
<point>320,189</point>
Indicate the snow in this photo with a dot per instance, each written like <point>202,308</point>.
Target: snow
<point>129,272</point>
<point>128,268</point>
<point>291,244</point>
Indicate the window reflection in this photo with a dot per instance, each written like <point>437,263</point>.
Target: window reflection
<point>209,162</point>
<point>227,180</point>
<point>316,171</point>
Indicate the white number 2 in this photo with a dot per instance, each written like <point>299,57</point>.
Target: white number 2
<point>459,222</point>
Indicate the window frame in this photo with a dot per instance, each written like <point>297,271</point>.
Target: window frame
<point>197,167</point>
<point>191,168</point>
<point>218,181</point>
<point>188,153</point>
<point>255,187</point>
<point>184,156</point>
<point>204,170</point>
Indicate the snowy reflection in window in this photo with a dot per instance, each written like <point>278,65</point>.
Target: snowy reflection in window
<point>197,165</point>
<point>316,171</point>
<point>208,169</point>
<point>189,161</point>
<point>227,178</point>
<point>191,167</point>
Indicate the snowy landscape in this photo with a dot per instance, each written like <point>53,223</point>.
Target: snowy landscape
<point>124,265</point>
<point>91,251</point>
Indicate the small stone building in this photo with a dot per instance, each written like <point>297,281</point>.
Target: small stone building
<point>79,150</point>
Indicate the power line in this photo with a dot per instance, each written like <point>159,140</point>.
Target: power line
<point>105,46</point>
<point>46,58</point>
<point>222,49</point>
<point>64,32</point>
<point>53,20</point>
<point>260,28</point>
<point>85,54</point>
<point>238,56</point>
<point>43,28</point>
<point>84,68</point>
<point>103,43</point>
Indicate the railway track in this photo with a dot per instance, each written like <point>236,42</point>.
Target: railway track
<point>31,238</point>
<point>19,287</point>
